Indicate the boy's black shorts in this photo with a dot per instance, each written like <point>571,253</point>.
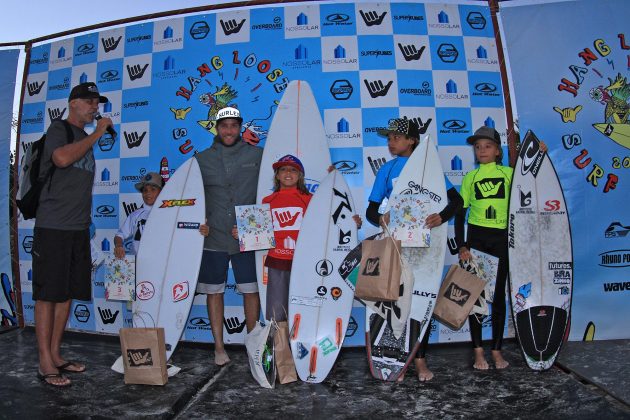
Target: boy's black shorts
<point>62,264</point>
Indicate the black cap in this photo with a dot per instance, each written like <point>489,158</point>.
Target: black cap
<point>87,90</point>
<point>485,132</point>
<point>401,126</point>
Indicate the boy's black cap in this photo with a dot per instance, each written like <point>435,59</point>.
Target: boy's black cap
<point>87,90</point>
<point>401,126</point>
<point>485,132</point>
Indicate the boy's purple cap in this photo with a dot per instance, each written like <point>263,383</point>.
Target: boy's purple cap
<point>289,160</point>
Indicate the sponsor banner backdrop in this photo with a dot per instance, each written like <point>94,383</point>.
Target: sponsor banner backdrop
<point>572,89</point>
<point>366,63</point>
<point>9,59</point>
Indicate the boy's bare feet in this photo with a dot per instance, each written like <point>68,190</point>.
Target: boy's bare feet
<point>424,373</point>
<point>221,358</point>
<point>480,360</point>
<point>499,361</point>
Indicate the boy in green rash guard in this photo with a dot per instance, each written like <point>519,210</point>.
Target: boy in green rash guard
<point>486,192</point>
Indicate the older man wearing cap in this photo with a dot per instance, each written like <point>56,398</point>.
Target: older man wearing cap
<point>229,169</point>
<point>61,244</point>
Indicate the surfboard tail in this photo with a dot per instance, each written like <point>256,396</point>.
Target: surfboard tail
<point>541,331</point>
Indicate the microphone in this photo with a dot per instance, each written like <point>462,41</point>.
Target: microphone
<point>110,129</point>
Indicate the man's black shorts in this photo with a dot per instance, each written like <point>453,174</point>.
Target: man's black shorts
<point>62,264</point>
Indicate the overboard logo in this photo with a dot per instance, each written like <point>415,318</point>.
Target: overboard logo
<point>81,313</point>
<point>341,90</point>
<point>276,25</point>
<point>178,203</point>
<point>617,258</point>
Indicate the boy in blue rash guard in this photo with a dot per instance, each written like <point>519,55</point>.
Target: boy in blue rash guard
<point>402,139</point>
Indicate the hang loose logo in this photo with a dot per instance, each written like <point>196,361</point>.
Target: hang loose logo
<point>285,218</point>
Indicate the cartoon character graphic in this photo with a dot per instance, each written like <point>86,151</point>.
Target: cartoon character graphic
<point>218,100</point>
<point>521,297</point>
<point>616,100</point>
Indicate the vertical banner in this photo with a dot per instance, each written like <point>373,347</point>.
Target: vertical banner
<point>166,80</point>
<point>9,59</point>
<point>571,87</point>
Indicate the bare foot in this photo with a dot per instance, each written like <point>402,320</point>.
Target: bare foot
<point>221,358</point>
<point>480,360</point>
<point>499,361</point>
<point>424,373</point>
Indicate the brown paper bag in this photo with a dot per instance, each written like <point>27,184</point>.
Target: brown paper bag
<point>144,355</point>
<point>380,269</point>
<point>458,293</point>
<point>284,360</point>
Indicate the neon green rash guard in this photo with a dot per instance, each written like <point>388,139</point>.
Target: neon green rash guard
<point>486,191</point>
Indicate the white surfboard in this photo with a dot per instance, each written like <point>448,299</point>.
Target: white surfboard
<point>168,261</point>
<point>541,257</point>
<point>296,129</point>
<point>389,355</point>
<point>320,300</point>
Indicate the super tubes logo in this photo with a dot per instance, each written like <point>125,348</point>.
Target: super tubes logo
<point>178,203</point>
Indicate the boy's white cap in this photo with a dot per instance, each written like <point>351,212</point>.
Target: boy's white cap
<point>229,112</point>
<point>152,178</point>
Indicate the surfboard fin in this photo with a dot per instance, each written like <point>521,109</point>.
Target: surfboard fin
<point>313,362</point>
<point>296,326</point>
<point>338,331</point>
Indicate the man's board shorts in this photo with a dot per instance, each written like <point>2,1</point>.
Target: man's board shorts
<point>213,273</point>
<point>62,265</point>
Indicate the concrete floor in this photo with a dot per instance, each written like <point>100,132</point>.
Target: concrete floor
<point>590,382</point>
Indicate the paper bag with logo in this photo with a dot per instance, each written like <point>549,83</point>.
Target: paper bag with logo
<point>144,355</point>
<point>458,293</point>
<point>380,269</point>
<point>284,360</point>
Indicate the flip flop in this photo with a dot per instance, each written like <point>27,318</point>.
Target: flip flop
<point>44,379</point>
<point>64,368</point>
